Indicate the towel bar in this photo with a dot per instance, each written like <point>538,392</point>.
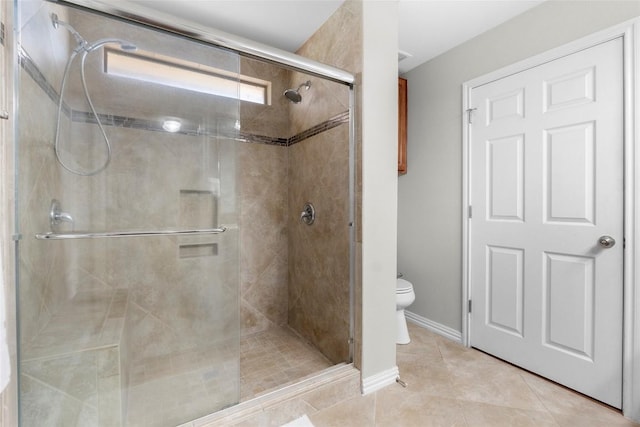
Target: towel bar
<point>83,235</point>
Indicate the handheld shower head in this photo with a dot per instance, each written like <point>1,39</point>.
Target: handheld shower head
<point>124,45</point>
<point>293,95</point>
<point>83,49</point>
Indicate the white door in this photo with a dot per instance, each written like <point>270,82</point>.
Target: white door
<point>546,184</point>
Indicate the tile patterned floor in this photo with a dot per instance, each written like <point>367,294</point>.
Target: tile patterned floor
<point>269,360</point>
<point>274,358</point>
<point>448,385</point>
<point>78,369</point>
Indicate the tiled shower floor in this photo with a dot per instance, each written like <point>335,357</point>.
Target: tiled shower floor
<point>268,360</point>
<point>273,358</point>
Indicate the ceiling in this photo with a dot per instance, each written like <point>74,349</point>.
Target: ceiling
<point>427,28</point>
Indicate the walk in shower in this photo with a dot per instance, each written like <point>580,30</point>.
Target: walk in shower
<point>167,264</point>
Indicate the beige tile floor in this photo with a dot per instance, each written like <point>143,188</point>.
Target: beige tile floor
<point>171,393</point>
<point>448,385</point>
<point>274,358</point>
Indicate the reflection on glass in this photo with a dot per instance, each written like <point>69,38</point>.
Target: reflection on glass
<point>169,71</point>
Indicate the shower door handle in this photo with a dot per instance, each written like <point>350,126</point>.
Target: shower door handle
<point>141,233</point>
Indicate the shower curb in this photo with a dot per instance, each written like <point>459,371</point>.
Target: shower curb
<point>252,407</point>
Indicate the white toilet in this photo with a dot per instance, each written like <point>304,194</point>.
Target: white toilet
<point>404,298</point>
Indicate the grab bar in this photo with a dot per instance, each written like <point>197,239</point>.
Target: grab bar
<point>80,235</point>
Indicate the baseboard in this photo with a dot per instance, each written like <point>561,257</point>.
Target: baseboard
<point>434,327</point>
<point>378,381</point>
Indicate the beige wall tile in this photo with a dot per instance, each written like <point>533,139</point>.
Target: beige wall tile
<point>319,174</point>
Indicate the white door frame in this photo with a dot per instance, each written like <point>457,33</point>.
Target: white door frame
<point>630,33</point>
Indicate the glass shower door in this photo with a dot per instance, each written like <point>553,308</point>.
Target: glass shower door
<point>128,260</point>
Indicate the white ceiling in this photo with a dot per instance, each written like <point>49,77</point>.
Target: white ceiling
<point>427,28</point>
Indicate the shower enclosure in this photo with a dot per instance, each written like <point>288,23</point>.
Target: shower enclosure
<point>166,269</point>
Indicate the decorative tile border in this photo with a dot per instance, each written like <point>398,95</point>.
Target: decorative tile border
<point>27,63</point>
<point>322,127</point>
<point>261,139</point>
<point>131,123</point>
<point>30,67</point>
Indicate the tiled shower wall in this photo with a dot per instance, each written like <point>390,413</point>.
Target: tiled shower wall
<point>41,181</point>
<point>293,274</point>
<point>84,290</point>
<point>76,295</point>
<point>319,253</point>
<point>262,183</point>
<point>319,270</point>
<point>47,280</point>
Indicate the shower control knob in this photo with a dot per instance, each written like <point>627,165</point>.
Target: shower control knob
<point>308,214</point>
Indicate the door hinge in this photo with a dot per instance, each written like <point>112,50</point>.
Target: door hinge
<point>469,306</point>
<point>470,211</point>
<point>470,115</point>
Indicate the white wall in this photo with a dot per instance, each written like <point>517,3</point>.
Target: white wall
<point>430,194</point>
<point>379,190</point>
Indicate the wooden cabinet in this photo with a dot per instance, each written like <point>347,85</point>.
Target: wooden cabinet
<point>402,126</point>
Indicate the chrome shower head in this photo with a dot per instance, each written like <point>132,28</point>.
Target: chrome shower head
<point>293,95</point>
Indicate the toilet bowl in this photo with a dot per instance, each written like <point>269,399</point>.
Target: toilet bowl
<point>404,298</point>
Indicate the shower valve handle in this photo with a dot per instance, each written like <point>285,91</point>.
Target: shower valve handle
<point>308,214</point>
<point>56,216</point>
